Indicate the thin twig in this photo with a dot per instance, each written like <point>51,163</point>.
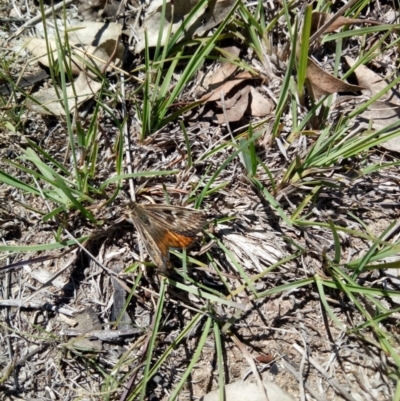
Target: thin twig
<point>127,141</point>
<point>299,378</point>
<point>250,360</point>
<point>38,18</point>
<point>333,382</point>
<point>42,305</point>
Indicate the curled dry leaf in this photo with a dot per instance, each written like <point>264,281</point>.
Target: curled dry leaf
<point>320,82</point>
<point>234,107</point>
<point>323,83</point>
<point>230,102</point>
<point>238,99</point>
<point>320,19</point>
<point>226,87</point>
<point>224,71</point>
<point>260,106</point>
<point>379,116</point>
<point>383,112</point>
<point>81,39</point>
<point>222,74</point>
<point>373,83</point>
<point>47,101</point>
<point>246,100</point>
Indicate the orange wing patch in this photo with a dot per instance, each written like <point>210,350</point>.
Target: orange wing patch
<point>175,240</point>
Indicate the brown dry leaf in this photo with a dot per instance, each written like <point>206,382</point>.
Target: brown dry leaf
<point>260,106</point>
<point>320,82</point>
<point>84,87</point>
<point>91,10</point>
<point>81,59</point>
<point>106,39</point>
<point>379,116</point>
<point>206,18</point>
<point>230,101</point>
<point>226,87</point>
<point>236,111</point>
<point>201,118</point>
<point>237,104</point>
<point>93,33</point>
<point>222,74</point>
<point>373,82</point>
<point>319,19</point>
<point>38,49</point>
<point>324,83</point>
<point>226,69</point>
<point>103,53</point>
<point>264,358</point>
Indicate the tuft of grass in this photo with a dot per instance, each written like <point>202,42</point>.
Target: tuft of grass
<point>160,89</point>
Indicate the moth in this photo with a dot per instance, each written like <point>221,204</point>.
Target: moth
<point>162,227</point>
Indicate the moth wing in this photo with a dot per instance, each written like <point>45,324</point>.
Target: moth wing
<point>184,221</point>
<point>153,243</point>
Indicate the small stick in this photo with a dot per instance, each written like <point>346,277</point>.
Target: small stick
<point>38,18</point>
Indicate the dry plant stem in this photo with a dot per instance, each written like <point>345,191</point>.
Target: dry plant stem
<point>36,350</point>
<point>103,335</point>
<point>117,14</point>
<point>127,141</point>
<point>100,60</point>
<point>111,58</point>
<point>12,19</point>
<point>303,359</point>
<point>7,283</point>
<point>363,387</point>
<point>34,260</point>
<point>226,117</point>
<point>336,345</point>
<point>141,358</point>
<point>321,30</point>
<point>38,18</point>
<point>128,158</point>
<point>16,303</point>
<point>179,300</point>
<point>10,369</point>
<point>89,254</point>
<point>333,382</point>
<point>299,378</point>
<point>50,281</point>
<point>392,231</point>
<point>21,75</point>
<point>132,28</point>
<point>250,360</point>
